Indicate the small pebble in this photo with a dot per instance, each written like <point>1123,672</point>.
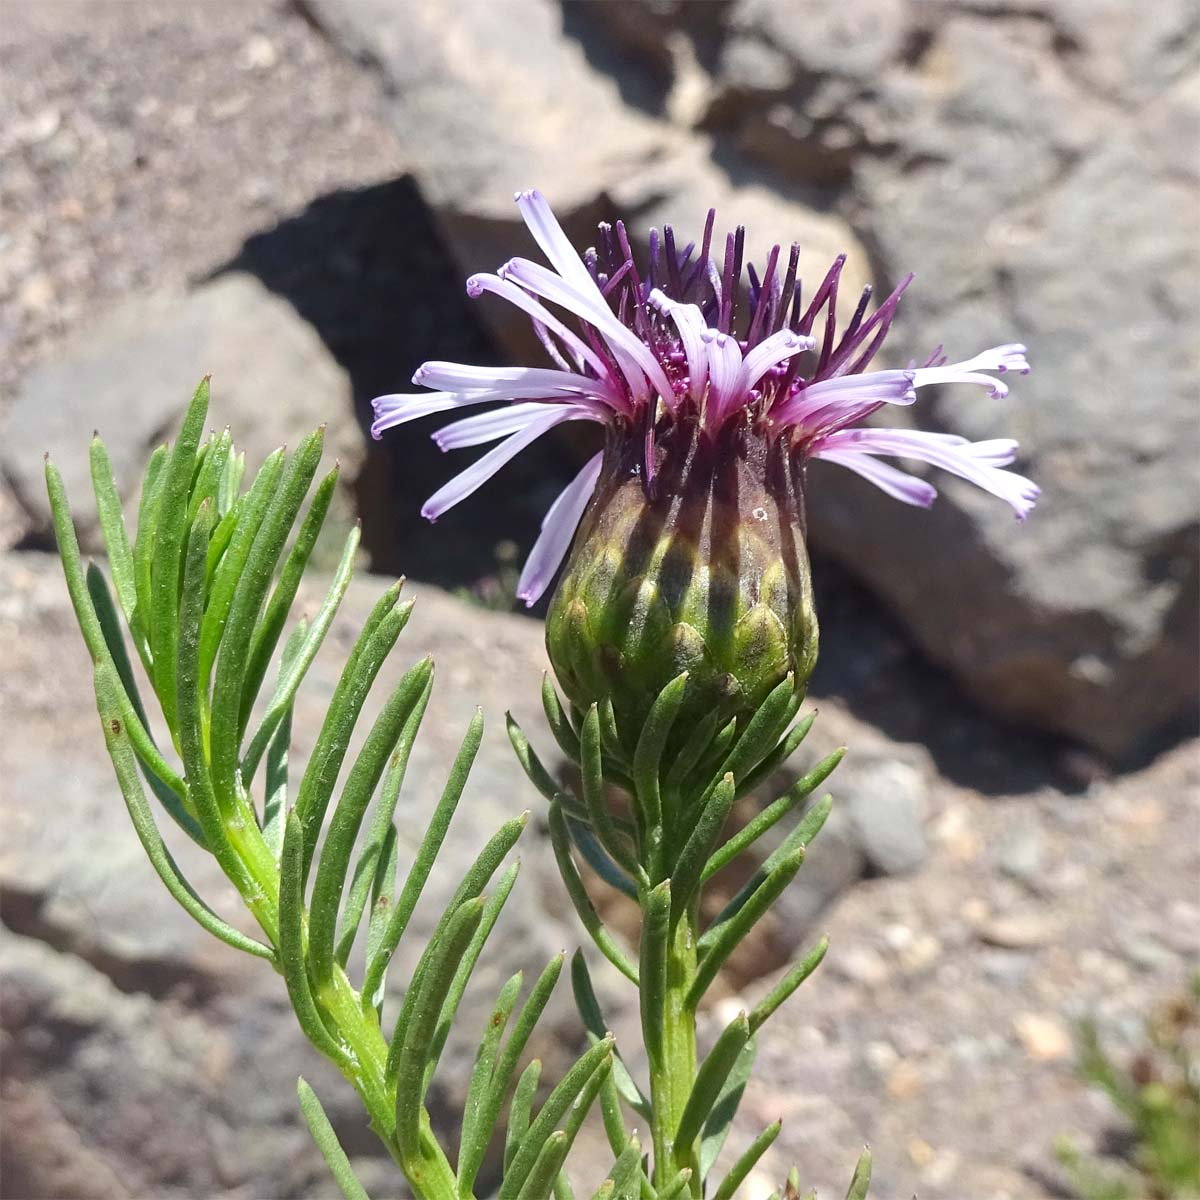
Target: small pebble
<point>1044,1037</point>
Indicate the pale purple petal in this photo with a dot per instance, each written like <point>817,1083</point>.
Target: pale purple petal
<point>770,352</point>
<point>553,242</point>
<point>844,400</point>
<point>558,529</point>
<point>690,323</point>
<point>971,461</point>
<point>397,409</point>
<point>900,485</point>
<point>1010,357</point>
<point>459,377</point>
<point>462,485</point>
<point>500,422</point>
<point>591,306</point>
<point>724,365</point>
<point>478,284</point>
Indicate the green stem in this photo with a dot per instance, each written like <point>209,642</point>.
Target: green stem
<point>672,1078</point>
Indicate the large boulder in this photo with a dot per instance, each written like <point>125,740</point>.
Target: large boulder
<point>1044,190</point>
<point>1033,163</point>
<point>131,374</point>
<point>487,99</point>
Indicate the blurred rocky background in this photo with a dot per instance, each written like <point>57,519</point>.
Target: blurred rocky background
<point>289,196</point>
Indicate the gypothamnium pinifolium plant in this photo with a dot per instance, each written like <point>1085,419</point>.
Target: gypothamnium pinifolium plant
<point>682,635</point>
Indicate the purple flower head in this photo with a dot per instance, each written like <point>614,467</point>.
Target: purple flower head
<point>640,350</point>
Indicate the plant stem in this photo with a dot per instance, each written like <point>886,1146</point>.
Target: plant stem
<point>671,1081</point>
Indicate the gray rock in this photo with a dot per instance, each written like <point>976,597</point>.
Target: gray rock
<point>131,375</point>
<point>886,804</point>
<point>1002,156</point>
<point>477,126</point>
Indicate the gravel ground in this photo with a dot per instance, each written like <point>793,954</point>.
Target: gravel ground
<point>142,143</point>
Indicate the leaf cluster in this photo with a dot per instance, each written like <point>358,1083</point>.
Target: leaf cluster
<point>205,588</point>
<point>649,819</point>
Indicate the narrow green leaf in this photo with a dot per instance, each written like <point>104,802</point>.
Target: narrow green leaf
<point>190,710</point>
<point>542,1175</point>
<point>719,941</point>
<point>231,483</point>
<point>232,679</point>
<point>556,717</point>
<point>764,729</point>
<point>590,919</point>
<point>596,858</point>
<point>475,1137</point>
<point>170,798</point>
<point>595,795</point>
<point>575,1085</point>
<point>506,1063</point>
<point>221,538</point>
<point>798,839</point>
<point>274,617</point>
<point>778,756</point>
<point>562,1187</point>
<point>770,1003</point>
<point>609,733</point>
<point>484,867</point>
<point>289,680</point>
<point>462,976</point>
<point>745,1164</point>
<point>93,631</point>
<point>861,1182</point>
<point>710,1082</point>
<point>705,775</point>
<point>689,866</point>
<point>292,954</point>
<point>677,1186</point>
<point>473,883</point>
<point>693,749</point>
<point>720,1118</point>
<point>143,547</point>
<point>169,538</point>
<point>209,472</point>
<point>275,805</point>
<point>251,510</point>
<point>112,528</point>
<point>626,1170</point>
<point>348,815</point>
<point>374,644</point>
<point>519,1110</point>
<point>116,739</point>
<point>773,813</point>
<point>383,894</point>
<point>366,869</point>
<point>431,984</point>
<point>577,1111</point>
<point>530,763</point>
<point>327,1142</point>
<point>593,1021</point>
<point>647,760</point>
<point>652,971</point>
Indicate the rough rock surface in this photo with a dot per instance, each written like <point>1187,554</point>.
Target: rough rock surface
<point>273,380</point>
<point>487,99</point>
<point>1034,163</point>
